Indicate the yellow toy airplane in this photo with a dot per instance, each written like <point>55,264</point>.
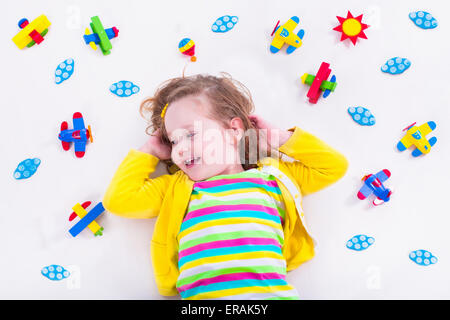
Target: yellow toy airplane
<point>285,34</point>
<point>31,33</point>
<point>417,136</point>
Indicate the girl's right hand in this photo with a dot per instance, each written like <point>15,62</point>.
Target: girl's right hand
<point>155,147</point>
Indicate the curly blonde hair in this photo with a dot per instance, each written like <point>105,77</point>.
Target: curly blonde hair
<point>228,97</point>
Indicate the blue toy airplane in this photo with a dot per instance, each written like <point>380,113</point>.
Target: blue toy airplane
<point>285,34</point>
<point>87,218</point>
<point>374,184</point>
<point>79,135</point>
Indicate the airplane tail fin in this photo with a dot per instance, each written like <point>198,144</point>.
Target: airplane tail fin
<point>65,144</point>
<point>378,202</point>
<point>386,196</point>
<point>91,43</point>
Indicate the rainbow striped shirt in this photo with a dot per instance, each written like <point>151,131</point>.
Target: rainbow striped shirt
<point>231,238</point>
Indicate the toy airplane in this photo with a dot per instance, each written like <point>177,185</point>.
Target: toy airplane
<point>87,218</point>
<point>31,33</point>
<point>374,184</point>
<point>79,135</point>
<point>285,34</point>
<point>417,136</point>
<point>319,83</point>
<point>100,36</point>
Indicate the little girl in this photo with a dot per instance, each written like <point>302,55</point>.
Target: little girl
<point>227,227</point>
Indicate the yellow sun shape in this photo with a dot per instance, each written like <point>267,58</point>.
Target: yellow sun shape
<point>351,27</point>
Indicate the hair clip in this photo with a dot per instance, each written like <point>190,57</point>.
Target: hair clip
<point>163,112</point>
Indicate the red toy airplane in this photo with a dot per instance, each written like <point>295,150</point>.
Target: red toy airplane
<point>319,83</point>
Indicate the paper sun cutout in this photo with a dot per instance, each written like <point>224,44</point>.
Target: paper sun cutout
<point>351,27</point>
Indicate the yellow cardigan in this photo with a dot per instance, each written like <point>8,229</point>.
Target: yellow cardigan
<point>133,194</point>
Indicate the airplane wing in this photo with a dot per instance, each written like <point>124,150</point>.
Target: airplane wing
<point>417,152</point>
<point>80,148</point>
<point>405,143</point>
<point>87,219</point>
<point>426,128</point>
<point>292,48</point>
<point>276,44</point>
<point>383,175</point>
<point>291,23</point>
<point>65,144</point>
<point>364,192</point>
<point>322,75</point>
<point>78,122</point>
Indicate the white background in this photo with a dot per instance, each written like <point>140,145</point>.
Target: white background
<point>34,213</point>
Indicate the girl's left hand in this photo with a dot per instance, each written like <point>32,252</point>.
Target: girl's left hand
<point>276,137</point>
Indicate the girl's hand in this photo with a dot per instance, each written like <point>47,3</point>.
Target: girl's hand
<point>155,147</point>
<point>275,136</point>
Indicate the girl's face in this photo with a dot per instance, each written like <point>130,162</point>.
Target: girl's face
<point>201,146</point>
